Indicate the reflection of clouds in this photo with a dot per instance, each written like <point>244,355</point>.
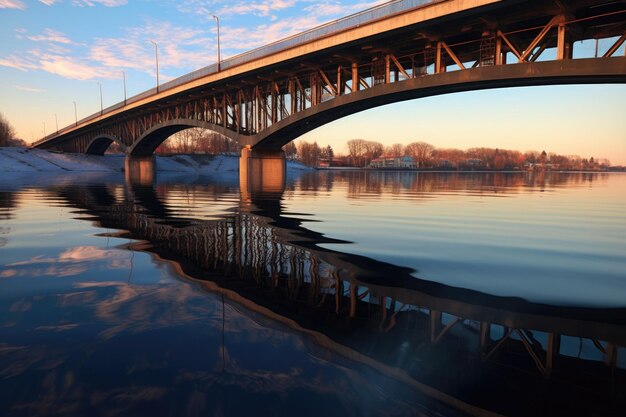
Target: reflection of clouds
<point>71,262</point>
<point>18,359</point>
<point>8,273</point>
<point>58,328</point>
<point>133,308</point>
<point>20,306</point>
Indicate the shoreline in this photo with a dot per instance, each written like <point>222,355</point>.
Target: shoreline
<point>465,171</point>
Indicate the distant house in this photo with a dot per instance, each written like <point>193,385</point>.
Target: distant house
<point>395,162</point>
<point>445,164</point>
<point>474,162</point>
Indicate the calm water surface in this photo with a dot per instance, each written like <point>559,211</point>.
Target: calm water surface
<point>348,294</point>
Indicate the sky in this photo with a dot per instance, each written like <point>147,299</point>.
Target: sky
<point>57,52</point>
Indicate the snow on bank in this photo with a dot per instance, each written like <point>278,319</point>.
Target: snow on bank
<point>23,160</point>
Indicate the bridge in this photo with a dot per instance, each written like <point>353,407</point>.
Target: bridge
<point>400,50</point>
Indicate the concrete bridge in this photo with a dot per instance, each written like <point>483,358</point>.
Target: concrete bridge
<point>401,50</point>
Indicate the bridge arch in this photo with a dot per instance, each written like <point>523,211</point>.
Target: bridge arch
<point>580,71</point>
<point>147,143</point>
<point>101,143</point>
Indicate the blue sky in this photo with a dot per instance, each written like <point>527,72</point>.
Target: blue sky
<point>55,52</point>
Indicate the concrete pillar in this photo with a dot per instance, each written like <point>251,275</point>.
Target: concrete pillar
<point>140,170</point>
<point>262,171</point>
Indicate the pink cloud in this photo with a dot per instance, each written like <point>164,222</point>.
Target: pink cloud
<point>106,3</point>
<point>19,63</point>
<point>12,4</point>
<point>50,35</point>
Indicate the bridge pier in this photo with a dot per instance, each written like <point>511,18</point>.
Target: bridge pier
<point>262,171</point>
<point>140,170</point>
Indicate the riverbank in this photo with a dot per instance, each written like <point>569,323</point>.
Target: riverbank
<point>25,160</point>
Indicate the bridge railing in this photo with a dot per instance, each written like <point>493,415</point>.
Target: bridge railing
<point>344,23</point>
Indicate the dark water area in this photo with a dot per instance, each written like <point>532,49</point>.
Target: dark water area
<point>348,294</point>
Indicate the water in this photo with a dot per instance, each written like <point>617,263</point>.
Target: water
<point>350,293</point>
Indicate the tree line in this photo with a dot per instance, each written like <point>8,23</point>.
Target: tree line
<point>426,156</point>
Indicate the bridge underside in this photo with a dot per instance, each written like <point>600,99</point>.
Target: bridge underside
<point>587,71</point>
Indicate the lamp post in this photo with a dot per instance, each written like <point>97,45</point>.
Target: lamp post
<point>156,60</point>
<point>219,58</point>
<point>101,108</point>
<point>75,114</point>
<point>124,75</point>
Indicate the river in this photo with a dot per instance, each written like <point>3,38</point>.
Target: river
<point>351,293</point>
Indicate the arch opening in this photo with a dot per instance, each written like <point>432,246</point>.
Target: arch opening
<point>101,144</point>
<point>197,140</point>
<point>150,141</point>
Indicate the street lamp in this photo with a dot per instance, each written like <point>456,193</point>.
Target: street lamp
<point>219,59</point>
<point>75,113</point>
<point>124,75</point>
<point>101,108</point>
<point>156,60</point>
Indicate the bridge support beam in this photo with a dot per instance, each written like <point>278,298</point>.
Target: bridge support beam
<point>564,43</point>
<point>262,171</point>
<point>140,170</point>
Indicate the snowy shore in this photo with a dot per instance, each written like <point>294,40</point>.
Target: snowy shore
<point>24,161</point>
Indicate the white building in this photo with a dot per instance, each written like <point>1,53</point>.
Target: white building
<point>396,162</point>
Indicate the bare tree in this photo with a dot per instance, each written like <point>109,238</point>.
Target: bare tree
<point>7,133</point>
<point>309,153</point>
<point>422,152</point>
<point>290,150</point>
<point>361,151</point>
<point>397,149</point>
<point>327,153</point>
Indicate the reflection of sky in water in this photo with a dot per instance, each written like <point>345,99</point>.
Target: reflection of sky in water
<point>88,327</point>
<point>564,245</point>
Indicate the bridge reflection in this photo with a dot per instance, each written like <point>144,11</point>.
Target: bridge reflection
<point>473,351</point>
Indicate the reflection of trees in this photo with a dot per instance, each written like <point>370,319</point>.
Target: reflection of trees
<point>7,204</point>
<point>398,182</point>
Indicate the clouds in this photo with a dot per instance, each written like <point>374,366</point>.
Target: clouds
<point>12,4</point>
<point>20,5</point>
<point>50,35</point>
<point>259,8</point>
<point>179,46</point>
<point>28,89</point>
<point>66,66</point>
<point>106,3</point>
<point>17,62</point>
<point>184,44</point>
